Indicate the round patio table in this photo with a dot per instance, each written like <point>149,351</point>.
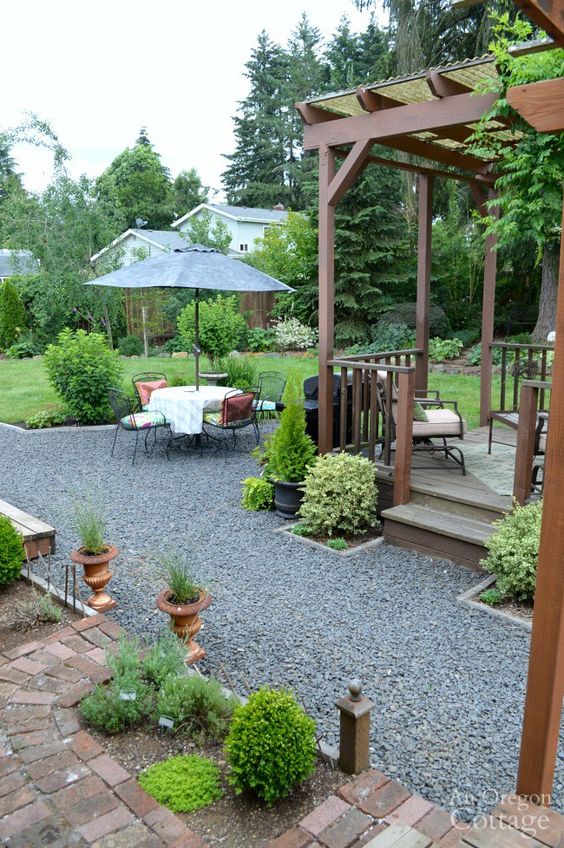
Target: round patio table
<point>184,406</point>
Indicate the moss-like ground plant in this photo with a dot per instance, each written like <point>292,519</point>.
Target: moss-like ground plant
<point>271,745</point>
<point>184,783</point>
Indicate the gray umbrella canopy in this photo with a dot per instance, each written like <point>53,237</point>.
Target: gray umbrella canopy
<point>194,267</point>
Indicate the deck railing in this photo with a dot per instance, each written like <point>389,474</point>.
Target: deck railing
<point>533,394</point>
<point>519,363</point>
<point>372,414</point>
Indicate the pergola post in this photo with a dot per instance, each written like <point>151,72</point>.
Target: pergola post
<point>545,683</point>
<point>326,298</point>
<point>423,280</point>
<point>488,312</point>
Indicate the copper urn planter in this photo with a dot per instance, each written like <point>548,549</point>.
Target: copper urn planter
<point>186,621</point>
<point>97,575</point>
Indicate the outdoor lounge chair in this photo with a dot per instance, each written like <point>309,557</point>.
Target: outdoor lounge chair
<point>136,422</point>
<point>145,383</point>
<point>428,435</point>
<point>235,413</point>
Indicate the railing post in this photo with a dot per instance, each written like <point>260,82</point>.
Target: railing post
<point>404,438</point>
<point>525,443</point>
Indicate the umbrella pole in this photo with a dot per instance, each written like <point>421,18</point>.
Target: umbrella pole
<point>197,338</point>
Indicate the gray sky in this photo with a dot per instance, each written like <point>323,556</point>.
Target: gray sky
<point>99,71</point>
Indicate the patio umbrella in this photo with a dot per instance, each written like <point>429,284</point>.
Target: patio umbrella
<point>193,267</point>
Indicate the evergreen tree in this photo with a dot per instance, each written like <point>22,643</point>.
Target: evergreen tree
<point>12,314</point>
<point>188,192</point>
<point>255,175</point>
<point>139,186</point>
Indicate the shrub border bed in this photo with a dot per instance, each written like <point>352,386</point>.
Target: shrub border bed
<point>364,546</point>
<point>469,599</point>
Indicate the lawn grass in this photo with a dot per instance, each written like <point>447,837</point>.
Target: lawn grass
<point>24,388</point>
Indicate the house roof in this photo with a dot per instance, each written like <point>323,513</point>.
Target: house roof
<point>239,213</point>
<point>14,262</point>
<point>165,239</point>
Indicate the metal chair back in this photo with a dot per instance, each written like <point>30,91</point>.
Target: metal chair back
<point>271,385</point>
<point>121,405</point>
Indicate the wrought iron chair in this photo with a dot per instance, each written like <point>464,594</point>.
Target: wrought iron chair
<point>436,422</point>
<point>271,385</point>
<point>147,378</point>
<point>136,422</point>
<point>235,413</point>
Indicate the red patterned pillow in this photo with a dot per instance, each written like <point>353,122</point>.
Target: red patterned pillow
<point>145,390</point>
<point>237,408</point>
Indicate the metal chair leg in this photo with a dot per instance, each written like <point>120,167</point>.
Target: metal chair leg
<point>490,436</point>
<point>115,438</point>
<point>135,448</point>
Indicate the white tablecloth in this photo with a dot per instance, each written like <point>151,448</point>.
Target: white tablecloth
<point>183,406</point>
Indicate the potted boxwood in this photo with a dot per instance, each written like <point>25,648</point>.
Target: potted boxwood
<point>94,554</point>
<point>183,600</point>
<point>288,454</point>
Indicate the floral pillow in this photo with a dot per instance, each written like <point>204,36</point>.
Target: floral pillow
<point>145,390</point>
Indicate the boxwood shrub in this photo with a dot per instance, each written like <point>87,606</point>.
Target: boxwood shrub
<point>271,745</point>
<point>12,552</point>
<point>340,495</point>
<point>513,552</point>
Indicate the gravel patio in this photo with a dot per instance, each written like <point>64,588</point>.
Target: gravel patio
<point>448,681</point>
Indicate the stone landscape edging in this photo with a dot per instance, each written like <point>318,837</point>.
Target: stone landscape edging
<point>364,546</point>
<point>65,428</point>
<point>468,599</point>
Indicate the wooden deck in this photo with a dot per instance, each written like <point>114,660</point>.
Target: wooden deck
<point>448,514</point>
<point>38,537</point>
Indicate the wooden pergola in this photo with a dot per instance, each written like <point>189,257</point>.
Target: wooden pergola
<point>431,116</point>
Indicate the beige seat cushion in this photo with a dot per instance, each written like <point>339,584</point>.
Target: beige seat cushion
<point>442,422</point>
<point>542,443</point>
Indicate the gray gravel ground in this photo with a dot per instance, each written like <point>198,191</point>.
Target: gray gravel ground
<point>447,681</point>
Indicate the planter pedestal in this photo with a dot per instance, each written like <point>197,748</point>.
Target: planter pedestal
<point>186,622</point>
<point>97,575</point>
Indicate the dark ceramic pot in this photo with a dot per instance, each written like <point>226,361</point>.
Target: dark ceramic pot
<point>287,498</point>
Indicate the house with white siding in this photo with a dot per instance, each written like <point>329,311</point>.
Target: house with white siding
<point>133,245</point>
<point>244,223</point>
<point>17,263</point>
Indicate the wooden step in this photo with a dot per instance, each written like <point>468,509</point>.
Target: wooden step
<point>470,503</point>
<point>38,537</point>
<point>437,534</point>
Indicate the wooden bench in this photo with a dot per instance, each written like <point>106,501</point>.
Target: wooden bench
<point>38,537</point>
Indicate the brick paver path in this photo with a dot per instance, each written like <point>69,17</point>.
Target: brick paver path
<point>57,786</point>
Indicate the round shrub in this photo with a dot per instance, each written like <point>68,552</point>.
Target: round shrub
<point>291,334</point>
<point>130,346</point>
<point>222,327</point>
<point>183,783</point>
<point>514,550</point>
<point>271,745</point>
<point>340,495</point>
<point>11,552</point>
<point>81,369</point>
